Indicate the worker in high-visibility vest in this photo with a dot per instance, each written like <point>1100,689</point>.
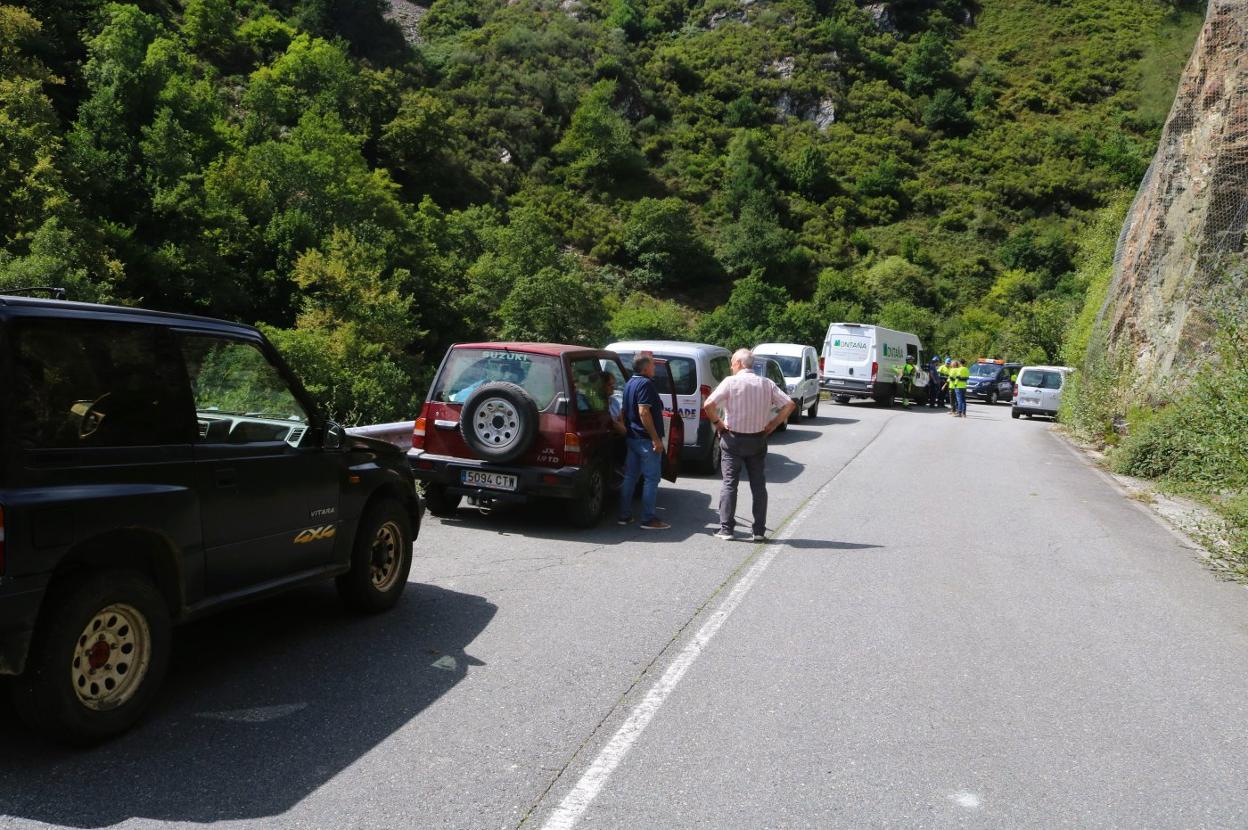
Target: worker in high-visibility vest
<point>959,376</point>
<point>905,379</point>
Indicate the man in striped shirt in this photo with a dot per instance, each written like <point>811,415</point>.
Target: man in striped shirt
<point>741,410</point>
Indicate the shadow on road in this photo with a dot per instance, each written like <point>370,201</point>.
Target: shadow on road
<point>262,707</point>
<point>686,509</point>
<point>821,544</point>
<point>793,435</point>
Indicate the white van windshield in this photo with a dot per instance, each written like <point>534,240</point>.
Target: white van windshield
<point>790,366</point>
<point>1041,379</point>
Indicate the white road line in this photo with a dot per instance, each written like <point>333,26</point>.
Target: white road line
<point>609,757</point>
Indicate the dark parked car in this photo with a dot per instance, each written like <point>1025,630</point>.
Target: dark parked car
<point>514,422</point>
<point>155,468</point>
<point>992,380</point>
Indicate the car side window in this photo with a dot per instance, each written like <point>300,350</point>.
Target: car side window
<point>240,396</point>
<point>721,367</point>
<point>93,384</point>
<point>590,383</point>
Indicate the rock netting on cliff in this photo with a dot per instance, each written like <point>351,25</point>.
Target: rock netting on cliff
<point>1182,251</point>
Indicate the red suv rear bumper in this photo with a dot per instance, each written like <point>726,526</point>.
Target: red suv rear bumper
<point>531,483</point>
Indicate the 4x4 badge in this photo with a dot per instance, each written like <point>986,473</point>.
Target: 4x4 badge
<point>315,534</point>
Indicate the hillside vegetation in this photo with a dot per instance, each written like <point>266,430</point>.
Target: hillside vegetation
<point>576,170</point>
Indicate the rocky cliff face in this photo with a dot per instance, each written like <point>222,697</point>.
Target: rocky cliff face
<point>1182,251</point>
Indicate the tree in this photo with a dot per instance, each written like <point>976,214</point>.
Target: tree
<point>946,112</point>
<point>31,184</point>
<point>757,243</point>
<point>556,306</point>
<point>662,244</point>
<point>102,142</point>
<point>748,317</point>
<point>641,317</point>
<point>929,64</point>
<point>349,343</point>
<point>598,147</point>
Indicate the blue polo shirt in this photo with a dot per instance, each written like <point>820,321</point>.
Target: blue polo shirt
<point>641,391</point>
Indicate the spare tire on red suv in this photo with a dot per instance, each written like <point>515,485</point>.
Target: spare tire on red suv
<point>499,421</point>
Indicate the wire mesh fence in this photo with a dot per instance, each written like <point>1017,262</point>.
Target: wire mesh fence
<point>1184,241</point>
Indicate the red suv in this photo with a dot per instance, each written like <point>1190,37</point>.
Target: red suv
<point>513,422</point>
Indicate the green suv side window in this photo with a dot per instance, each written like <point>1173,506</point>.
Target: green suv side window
<point>240,397</point>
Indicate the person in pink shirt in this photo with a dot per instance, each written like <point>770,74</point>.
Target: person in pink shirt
<point>741,409</point>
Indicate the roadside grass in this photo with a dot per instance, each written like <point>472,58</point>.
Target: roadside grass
<point>1197,445</point>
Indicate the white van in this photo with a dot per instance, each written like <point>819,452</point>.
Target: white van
<point>863,361</point>
<point>800,367</point>
<point>1039,390</point>
<point>697,368</point>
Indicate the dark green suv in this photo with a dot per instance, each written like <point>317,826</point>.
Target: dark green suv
<point>155,468</point>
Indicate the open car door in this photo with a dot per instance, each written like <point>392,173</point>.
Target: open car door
<point>673,424</point>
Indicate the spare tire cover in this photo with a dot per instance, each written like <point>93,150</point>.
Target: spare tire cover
<point>499,421</point>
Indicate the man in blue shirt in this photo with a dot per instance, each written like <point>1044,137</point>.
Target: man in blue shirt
<point>643,425</point>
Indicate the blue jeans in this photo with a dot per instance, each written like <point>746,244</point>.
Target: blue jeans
<point>960,401</point>
<point>644,463</point>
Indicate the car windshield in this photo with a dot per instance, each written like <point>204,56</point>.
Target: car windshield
<point>985,370</point>
<point>467,369</point>
<point>790,366</point>
<point>769,369</point>
<point>1041,379</point>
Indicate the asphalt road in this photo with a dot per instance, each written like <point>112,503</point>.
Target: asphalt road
<point>959,624</point>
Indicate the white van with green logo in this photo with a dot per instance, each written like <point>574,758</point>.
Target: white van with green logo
<point>864,361</point>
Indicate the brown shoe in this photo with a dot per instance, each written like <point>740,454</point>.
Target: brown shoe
<point>655,524</point>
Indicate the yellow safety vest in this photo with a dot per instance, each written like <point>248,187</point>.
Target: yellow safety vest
<point>960,376</point>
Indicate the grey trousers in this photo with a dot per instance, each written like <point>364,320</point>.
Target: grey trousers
<point>751,453</point>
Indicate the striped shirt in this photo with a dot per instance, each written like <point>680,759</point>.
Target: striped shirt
<point>747,402</point>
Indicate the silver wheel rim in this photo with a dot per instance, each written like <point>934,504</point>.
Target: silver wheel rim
<point>496,423</point>
<point>111,657</point>
<point>386,556</point>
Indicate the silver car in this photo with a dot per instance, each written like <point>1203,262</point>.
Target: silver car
<point>697,368</point>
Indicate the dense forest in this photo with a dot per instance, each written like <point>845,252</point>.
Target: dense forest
<point>577,170</point>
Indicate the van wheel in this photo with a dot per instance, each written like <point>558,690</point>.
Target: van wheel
<point>439,501</point>
<point>1014,413</point>
<point>795,417</point>
<point>588,506</point>
<point>97,658</point>
<point>380,559</point>
<point>813,412</point>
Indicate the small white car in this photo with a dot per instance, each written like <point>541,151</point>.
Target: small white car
<point>696,368</point>
<point>1039,390</point>
<point>800,367</point>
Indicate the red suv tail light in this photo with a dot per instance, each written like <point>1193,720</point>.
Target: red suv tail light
<point>821,365</point>
<point>418,434</point>
<point>571,448</point>
<point>875,370</point>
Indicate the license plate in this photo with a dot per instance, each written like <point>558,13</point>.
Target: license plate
<point>495,481</point>
<point>1030,400</point>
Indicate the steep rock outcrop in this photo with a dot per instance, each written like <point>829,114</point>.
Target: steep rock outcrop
<point>1182,248</point>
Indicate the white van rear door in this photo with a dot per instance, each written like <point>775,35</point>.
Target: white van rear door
<point>848,355</point>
